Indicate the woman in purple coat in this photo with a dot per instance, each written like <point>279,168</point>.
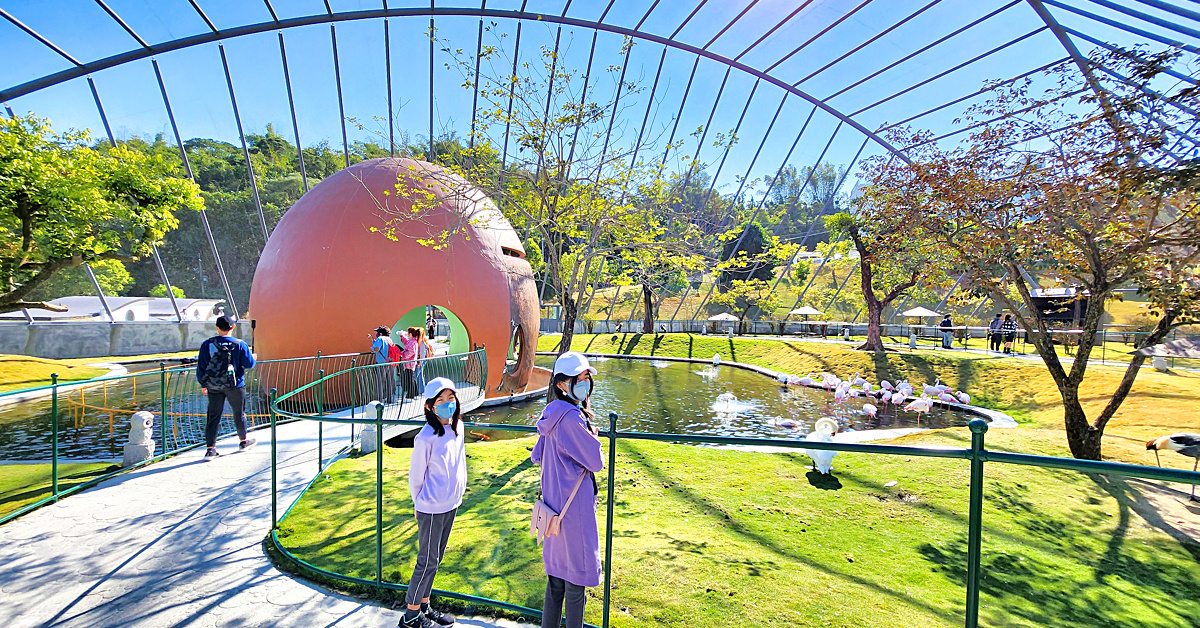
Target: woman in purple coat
<point>567,449</point>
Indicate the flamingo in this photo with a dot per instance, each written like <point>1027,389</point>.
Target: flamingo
<point>948,398</point>
<point>898,398</point>
<point>822,432</point>
<point>840,395</point>
<point>807,381</point>
<point>886,385</point>
<point>866,387</point>
<point>788,423</point>
<point>858,380</point>
<point>919,405</point>
<point>931,391</point>
<point>869,409</point>
<point>963,398</point>
<point>1182,443</point>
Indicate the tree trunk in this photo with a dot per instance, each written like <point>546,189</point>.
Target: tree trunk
<point>1082,437</point>
<point>648,302</point>
<point>874,325</point>
<point>569,313</point>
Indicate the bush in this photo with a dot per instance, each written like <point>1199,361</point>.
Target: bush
<point>161,291</point>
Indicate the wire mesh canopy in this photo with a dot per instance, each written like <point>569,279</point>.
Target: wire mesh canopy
<point>779,84</point>
<point>920,312</point>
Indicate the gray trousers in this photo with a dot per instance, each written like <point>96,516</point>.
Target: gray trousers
<point>433,532</point>
<point>559,591</point>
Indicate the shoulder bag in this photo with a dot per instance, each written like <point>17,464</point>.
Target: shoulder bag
<point>545,522</point>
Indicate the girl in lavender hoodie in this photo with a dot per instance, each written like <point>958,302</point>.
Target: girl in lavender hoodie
<point>568,448</point>
<point>437,479</point>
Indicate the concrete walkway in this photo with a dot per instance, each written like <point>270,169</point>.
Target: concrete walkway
<point>177,543</point>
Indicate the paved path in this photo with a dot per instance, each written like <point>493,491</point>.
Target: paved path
<point>177,543</point>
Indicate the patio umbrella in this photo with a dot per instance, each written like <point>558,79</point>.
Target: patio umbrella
<point>1182,348</point>
<point>920,312</point>
<point>806,311</point>
<point>723,316</point>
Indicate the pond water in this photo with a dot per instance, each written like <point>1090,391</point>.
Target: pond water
<point>682,398</point>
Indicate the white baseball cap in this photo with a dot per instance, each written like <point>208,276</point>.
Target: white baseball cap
<point>437,385</point>
<point>572,363</point>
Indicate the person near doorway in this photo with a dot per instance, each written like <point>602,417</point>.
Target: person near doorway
<point>424,352</point>
<point>221,370</point>
<point>384,351</point>
<point>1009,327</point>
<point>994,333</point>
<point>408,365</point>
<point>947,329</point>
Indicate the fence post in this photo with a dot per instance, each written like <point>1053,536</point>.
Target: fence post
<point>274,478</point>
<point>162,406</point>
<point>54,433</point>
<point>379,493</point>
<point>608,526</point>
<point>353,390</point>
<point>975,521</point>
<point>320,413</point>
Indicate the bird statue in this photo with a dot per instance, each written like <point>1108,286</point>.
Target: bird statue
<point>1182,443</point>
<point>869,409</point>
<point>822,432</point>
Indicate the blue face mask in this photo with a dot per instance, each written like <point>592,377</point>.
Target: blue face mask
<point>581,390</point>
<point>445,410</point>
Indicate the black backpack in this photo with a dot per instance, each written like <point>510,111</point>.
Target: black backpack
<point>219,373</point>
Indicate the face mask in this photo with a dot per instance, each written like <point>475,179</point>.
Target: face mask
<point>581,390</point>
<point>445,410</point>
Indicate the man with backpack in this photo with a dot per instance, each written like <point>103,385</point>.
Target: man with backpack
<point>220,368</point>
<point>385,351</point>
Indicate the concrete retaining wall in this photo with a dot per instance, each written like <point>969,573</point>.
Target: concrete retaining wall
<point>93,339</point>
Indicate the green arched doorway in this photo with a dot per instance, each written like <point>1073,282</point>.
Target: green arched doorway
<point>460,340</point>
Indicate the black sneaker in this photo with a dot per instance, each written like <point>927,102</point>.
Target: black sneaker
<point>211,454</point>
<point>247,444</point>
<point>418,621</point>
<point>438,617</point>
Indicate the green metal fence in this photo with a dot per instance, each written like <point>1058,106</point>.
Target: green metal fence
<point>977,455</point>
<point>98,409</point>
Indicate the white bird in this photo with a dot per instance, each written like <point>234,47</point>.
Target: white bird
<point>947,397</point>
<point>905,389</point>
<point>840,395</point>
<point>963,398</point>
<point>869,409</point>
<point>716,359</point>
<point>886,385</point>
<point>1182,443</point>
<point>898,398</point>
<point>858,380</point>
<point>822,432</point>
<point>806,381</point>
<point>788,423</point>
<point>931,391</point>
<point>866,386</point>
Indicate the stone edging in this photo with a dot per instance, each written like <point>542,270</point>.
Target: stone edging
<point>995,418</point>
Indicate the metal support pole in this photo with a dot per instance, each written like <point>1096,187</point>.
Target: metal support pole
<point>475,98</point>
<point>287,81</point>
<point>337,77</point>
<point>54,434</point>
<point>379,494</point>
<point>274,463</point>
<point>100,293</point>
<point>608,526</point>
<point>387,60</point>
<point>162,272</point>
<point>975,520</point>
<point>320,423</point>
<point>237,117</point>
<point>432,148</point>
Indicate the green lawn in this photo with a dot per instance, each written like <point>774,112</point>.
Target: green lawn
<point>23,484</point>
<point>20,371</point>
<point>713,537</point>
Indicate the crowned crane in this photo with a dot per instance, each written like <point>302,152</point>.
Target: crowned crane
<point>1182,443</point>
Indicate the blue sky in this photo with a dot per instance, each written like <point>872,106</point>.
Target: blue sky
<point>196,82</point>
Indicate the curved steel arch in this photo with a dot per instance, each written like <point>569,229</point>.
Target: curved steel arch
<point>329,18</point>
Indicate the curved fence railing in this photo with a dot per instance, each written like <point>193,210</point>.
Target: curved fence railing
<point>381,418</point>
<point>64,437</point>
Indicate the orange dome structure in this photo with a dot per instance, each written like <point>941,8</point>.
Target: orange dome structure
<point>375,244</point>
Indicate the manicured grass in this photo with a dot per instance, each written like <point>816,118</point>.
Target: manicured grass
<point>19,371</point>
<point>719,537</point>
<point>23,484</point>
<point>1160,403</point>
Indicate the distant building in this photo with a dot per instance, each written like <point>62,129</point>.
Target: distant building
<point>1064,306</point>
<point>124,309</point>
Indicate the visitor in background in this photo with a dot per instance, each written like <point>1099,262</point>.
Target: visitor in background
<point>424,351</point>
<point>431,326</point>
<point>385,351</point>
<point>221,369</point>
<point>1009,327</point>
<point>570,454</point>
<point>437,479</point>
<point>994,333</point>
<point>947,327</point>
<point>408,366</point>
